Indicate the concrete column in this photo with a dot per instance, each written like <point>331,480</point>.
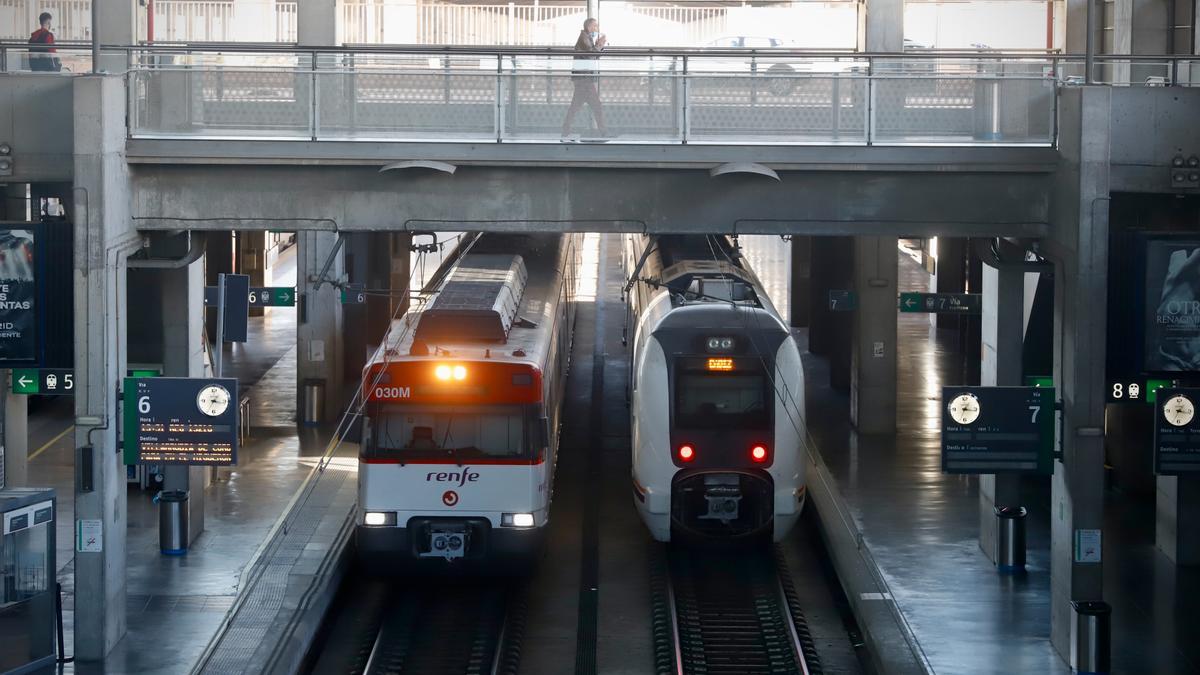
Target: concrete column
<point>218,259</point>
<point>252,261</point>
<point>884,29</point>
<point>104,236</point>
<point>873,366</point>
<point>319,330</point>
<point>1003,338</point>
<point>1177,525</point>
<point>401,272</point>
<point>316,23</point>
<point>16,436</point>
<point>182,311</point>
<point>1078,246</point>
<point>117,26</point>
<point>800,295</point>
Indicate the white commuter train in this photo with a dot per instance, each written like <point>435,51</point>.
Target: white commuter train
<point>716,394</point>
<point>463,405</point>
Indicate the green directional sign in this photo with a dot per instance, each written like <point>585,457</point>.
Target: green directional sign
<point>260,296</point>
<point>354,294</point>
<point>45,381</point>
<point>941,303</point>
<point>25,381</point>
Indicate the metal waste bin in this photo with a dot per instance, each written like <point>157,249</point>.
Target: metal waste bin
<point>173,522</point>
<point>1010,540</point>
<point>1090,633</point>
<point>314,402</point>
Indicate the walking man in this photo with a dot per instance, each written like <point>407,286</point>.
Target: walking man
<point>584,75</point>
<point>43,36</point>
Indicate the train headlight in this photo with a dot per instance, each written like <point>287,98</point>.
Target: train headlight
<point>759,453</point>
<point>719,344</point>
<point>379,518</point>
<point>442,372</point>
<point>516,519</point>
<point>460,372</point>
<point>686,453</point>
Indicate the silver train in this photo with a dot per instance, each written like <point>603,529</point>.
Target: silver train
<point>716,394</point>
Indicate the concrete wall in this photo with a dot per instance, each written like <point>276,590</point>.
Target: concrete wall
<point>1149,127</point>
<point>36,120</point>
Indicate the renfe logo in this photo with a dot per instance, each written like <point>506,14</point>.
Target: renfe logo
<point>461,477</point>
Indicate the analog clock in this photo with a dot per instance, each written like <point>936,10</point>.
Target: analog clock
<point>213,400</point>
<point>1179,410</point>
<point>964,408</point>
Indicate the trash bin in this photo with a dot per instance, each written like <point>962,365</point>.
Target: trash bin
<point>173,522</point>
<point>1090,637</point>
<point>314,402</point>
<point>1010,540</point>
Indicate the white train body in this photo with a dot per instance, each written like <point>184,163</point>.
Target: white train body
<point>716,395</point>
<point>464,402</point>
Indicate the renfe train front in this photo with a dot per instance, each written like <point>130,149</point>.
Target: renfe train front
<point>716,395</point>
<point>463,404</point>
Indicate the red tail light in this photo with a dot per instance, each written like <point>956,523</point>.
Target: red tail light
<point>686,453</point>
<point>759,453</point>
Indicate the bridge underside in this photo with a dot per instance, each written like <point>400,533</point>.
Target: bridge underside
<point>867,201</point>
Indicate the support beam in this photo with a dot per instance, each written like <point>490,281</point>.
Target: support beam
<point>104,237</point>
<point>884,29</point>
<point>1003,338</point>
<point>117,26</point>
<point>319,330</point>
<point>15,472</point>
<point>873,365</point>
<point>252,261</point>
<point>800,297</point>
<point>950,276</point>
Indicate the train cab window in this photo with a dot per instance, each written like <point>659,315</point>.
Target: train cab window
<point>706,399</point>
<point>426,432</point>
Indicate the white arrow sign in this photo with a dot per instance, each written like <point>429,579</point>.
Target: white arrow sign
<point>23,381</point>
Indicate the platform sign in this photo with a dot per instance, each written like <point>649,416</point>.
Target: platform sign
<point>841,300</point>
<point>998,429</point>
<point>43,381</point>
<point>181,420</point>
<point>18,304</point>
<point>941,303</point>
<point>354,294</point>
<point>1177,432</point>
<point>258,296</point>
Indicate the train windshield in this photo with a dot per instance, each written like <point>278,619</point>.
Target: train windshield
<point>707,399</point>
<point>453,433</point>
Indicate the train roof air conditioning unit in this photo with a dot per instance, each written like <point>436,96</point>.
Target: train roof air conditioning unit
<point>479,301</point>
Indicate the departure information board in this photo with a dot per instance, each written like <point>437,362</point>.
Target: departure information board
<point>1177,432</point>
<point>181,420</point>
<point>998,429</point>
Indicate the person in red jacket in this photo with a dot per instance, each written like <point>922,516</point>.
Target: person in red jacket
<point>43,36</point>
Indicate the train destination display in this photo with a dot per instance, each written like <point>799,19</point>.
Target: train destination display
<point>181,420</point>
<point>998,429</point>
<point>1177,432</point>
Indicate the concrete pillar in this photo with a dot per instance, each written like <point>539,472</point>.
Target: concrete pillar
<point>319,330</point>
<point>1139,27</point>
<point>1078,246</point>
<point>1177,523</point>
<point>218,259</point>
<point>16,436</point>
<point>117,26</point>
<point>800,295</point>
<point>316,23</point>
<point>252,261</point>
<point>401,273</point>
<point>884,28</point>
<point>104,236</point>
<point>182,311</point>
<point>873,366</point>
<point>1003,338</point>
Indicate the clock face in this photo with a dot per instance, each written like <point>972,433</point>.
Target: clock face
<point>964,408</point>
<point>213,400</point>
<point>1179,410</point>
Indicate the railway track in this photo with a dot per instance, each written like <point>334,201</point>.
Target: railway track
<point>464,628</point>
<point>728,612</point>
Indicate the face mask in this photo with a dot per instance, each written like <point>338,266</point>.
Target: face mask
<point>594,35</point>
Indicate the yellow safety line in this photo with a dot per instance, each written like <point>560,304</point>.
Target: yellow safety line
<point>51,442</point>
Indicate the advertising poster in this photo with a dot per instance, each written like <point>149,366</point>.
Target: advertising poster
<point>1172,306</point>
<point>18,313</point>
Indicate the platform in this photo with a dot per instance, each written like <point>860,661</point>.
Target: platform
<point>928,588</point>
